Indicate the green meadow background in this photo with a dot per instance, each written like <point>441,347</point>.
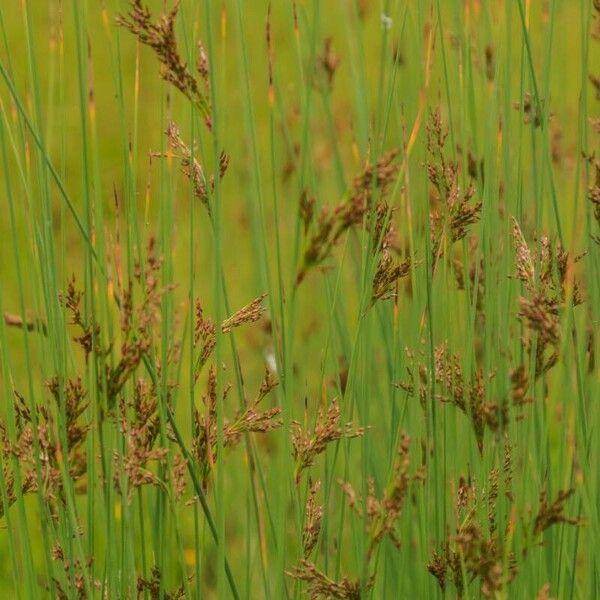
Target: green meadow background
<point>83,114</point>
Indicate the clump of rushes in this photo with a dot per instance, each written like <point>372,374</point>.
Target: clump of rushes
<point>52,453</point>
<point>453,210</point>
<point>22,449</point>
<point>472,554</point>
<point>205,328</point>
<point>248,420</point>
<point>307,445</point>
<point>465,391</point>
<point>137,320</point>
<point>547,277</point>
<point>468,394</point>
<point>368,190</point>
<point>319,584</point>
<point>160,36</point>
<point>191,167</point>
<point>140,432</point>
<point>379,516</point>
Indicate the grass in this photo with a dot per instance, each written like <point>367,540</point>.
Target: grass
<point>299,299</point>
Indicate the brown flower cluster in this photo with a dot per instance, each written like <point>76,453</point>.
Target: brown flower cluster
<point>307,444</point>
<point>382,513</point>
<point>73,584</point>
<point>552,513</point>
<point>89,332</point>
<point>42,432</point>
<point>205,328</point>
<point>547,277</point>
<point>312,520</point>
<point>160,36</point>
<point>365,206</point>
<point>320,586</point>
<point>467,392</point>
<point>191,167</point>
<point>388,271</point>
<point>139,304</point>
<point>140,430</point>
<point>249,420</point>
<point>151,588</point>
<point>473,554</point>
<point>380,519</point>
<point>453,210</point>
<point>532,110</point>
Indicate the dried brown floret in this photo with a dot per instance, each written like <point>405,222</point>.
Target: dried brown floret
<point>307,210</point>
<point>507,470</point>
<point>532,110</point>
<point>179,474</point>
<point>329,61</point>
<point>31,324</point>
<point>490,63</point>
<point>544,593</point>
<point>525,266</point>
